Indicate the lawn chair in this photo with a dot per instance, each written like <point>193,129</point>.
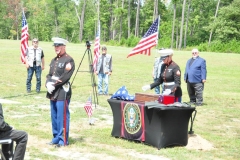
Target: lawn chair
<point>6,141</point>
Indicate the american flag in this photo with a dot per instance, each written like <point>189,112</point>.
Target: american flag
<point>24,38</point>
<point>148,41</point>
<point>96,47</point>
<point>88,107</point>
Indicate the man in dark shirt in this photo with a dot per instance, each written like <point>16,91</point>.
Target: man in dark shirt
<point>20,137</point>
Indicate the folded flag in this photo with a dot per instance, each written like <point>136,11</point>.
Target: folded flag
<point>88,107</point>
<point>122,94</point>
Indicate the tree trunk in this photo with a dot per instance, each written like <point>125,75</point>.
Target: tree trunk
<point>186,29</point>
<point>79,21</point>
<point>120,29</point>
<point>129,19</point>
<point>173,24</point>
<point>82,21</point>
<point>177,36</point>
<point>182,23</point>
<point>111,21</point>
<point>137,20</point>
<point>210,37</point>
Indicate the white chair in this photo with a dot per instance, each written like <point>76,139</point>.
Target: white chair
<point>4,141</point>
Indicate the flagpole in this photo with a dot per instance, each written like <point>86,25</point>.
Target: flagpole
<point>89,117</point>
<point>156,53</point>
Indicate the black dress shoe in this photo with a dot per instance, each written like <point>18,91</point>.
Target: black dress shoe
<point>58,146</point>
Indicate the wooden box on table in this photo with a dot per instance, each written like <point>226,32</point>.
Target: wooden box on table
<point>143,97</point>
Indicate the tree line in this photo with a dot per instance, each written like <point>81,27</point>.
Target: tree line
<point>210,25</point>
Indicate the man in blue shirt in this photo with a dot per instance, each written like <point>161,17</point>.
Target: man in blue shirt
<point>195,77</point>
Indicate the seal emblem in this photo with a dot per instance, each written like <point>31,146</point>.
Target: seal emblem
<point>132,118</point>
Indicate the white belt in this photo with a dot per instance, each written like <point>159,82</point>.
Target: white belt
<point>55,78</point>
<point>168,83</point>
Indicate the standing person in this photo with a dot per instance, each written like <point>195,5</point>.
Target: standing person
<point>59,92</point>
<point>170,76</point>
<point>104,70</point>
<point>34,63</point>
<point>195,77</point>
<point>20,137</point>
<point>156,71</point>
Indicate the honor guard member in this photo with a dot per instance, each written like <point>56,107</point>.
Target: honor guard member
<point>170,76</point>
<point>34,63</point>
<point>59,92</point>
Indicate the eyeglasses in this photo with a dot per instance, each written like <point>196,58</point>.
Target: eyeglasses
<point>194,52</point>
<point>35,41</point>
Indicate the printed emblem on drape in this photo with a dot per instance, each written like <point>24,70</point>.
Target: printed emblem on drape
<point>132,121</point>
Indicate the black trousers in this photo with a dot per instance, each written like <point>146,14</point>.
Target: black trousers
<point>20,138</point>
<point>195,92</point>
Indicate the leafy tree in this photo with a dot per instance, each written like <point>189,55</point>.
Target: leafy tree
<point>227,25</point>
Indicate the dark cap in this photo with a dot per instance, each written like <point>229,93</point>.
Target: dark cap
<point>104,48</point>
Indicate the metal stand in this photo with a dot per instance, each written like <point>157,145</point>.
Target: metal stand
<point>192,119</point>
<point>91,70</point>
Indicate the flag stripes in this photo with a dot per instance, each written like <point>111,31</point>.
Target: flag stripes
<point>88,107</point>
<point>24,38</point>
<point>96,48</point>
<point>148,41</point>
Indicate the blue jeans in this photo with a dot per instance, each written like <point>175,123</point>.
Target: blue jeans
<point>157,88</point>
<point>38,72</point>
<point>103,79</point>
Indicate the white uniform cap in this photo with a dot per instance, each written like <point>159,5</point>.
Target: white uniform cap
<point>195,50</point>
<point>59,41</point>
<point>165,53</point>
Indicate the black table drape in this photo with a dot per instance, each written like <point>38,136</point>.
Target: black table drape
<point>158,126</point>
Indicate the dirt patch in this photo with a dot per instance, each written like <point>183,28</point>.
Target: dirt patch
<point>8,101</point>
<point>197,142</point>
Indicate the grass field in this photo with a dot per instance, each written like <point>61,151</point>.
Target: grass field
<point>218,121</point>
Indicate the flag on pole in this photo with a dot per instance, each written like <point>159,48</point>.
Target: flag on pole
<point>148,41</point>
<point>24,37</point>
<point>96,47</point>
<point>88,107</point>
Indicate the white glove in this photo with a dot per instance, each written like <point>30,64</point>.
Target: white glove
<point>50,87</point>
<point>167,91</point>
<point>146,87</point>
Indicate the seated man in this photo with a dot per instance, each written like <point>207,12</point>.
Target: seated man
<point>20,137</point>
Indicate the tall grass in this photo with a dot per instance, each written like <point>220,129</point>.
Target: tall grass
<point>218,121</point>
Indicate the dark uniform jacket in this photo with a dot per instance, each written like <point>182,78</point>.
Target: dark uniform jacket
<point>61,70</point>
<point>3,125</point>
<point>170,73</point>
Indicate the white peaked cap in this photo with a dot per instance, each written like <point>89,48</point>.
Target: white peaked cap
<point>165,52</point>
<point>195,50</point>
<point>59,41</point>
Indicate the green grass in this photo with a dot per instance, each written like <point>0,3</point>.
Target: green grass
<point>218,121</point>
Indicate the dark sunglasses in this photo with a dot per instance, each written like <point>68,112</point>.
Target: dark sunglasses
<point>35,41</point>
